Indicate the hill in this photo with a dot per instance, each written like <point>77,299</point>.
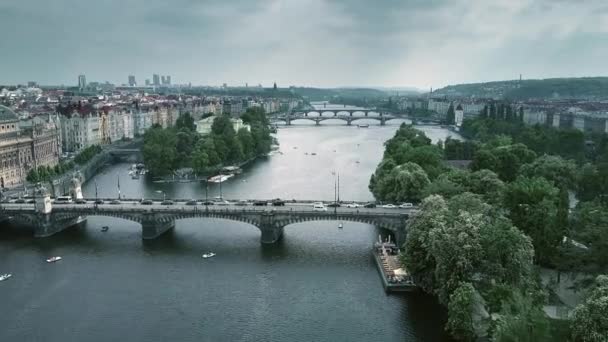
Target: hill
<point>560,88</point>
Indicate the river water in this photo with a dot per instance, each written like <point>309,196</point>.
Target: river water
<point>317,284</point>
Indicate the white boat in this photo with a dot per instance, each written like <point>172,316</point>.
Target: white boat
<point>53,259</point>
<point>363,126</point>
<point>220,178</point>
<point>208,255</point>
<point>340,225</point>
<point>5,276</point>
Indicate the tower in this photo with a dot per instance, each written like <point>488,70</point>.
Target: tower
<point>82,82</point>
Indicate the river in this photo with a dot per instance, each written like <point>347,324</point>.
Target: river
<point>317,284</point>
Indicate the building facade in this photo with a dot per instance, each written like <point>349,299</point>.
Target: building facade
<point>22,150</point>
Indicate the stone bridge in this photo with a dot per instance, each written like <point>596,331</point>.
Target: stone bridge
<point>288,118</point>
<point>155,221</point>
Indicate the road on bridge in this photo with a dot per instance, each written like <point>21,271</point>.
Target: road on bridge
<point>232,206</point>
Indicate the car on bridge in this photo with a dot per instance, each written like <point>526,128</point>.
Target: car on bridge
<point>278,202</point>
<point>115,201</point>
<point>260,203</point>
<point>208,203</point>
<point>80,201</point>
<point>242,203</point>
<point>223,203</point>
<point>319,206</point>
<point>191,202</point>
<point>389,206</point>
<point>99,201</point>
<point>19,201</point>
<point>353,205</point>
<point>334,205</point>
<point>167,202</point>
<point>146,202</point>
<point>406,205</point>
<point>369,205</point>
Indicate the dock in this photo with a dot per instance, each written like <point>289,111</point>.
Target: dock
<point>395,277</point>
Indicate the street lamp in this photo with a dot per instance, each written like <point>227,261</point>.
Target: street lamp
<point>162,192</point>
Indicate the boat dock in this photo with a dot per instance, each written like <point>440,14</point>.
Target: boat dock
<point>394,276</point>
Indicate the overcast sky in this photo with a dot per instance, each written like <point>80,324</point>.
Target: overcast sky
<point>326,43</point>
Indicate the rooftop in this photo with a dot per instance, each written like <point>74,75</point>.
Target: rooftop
<point>7,114</point>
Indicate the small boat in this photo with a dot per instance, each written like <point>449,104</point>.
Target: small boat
<point>340,225</point>
<point>357,162</point>
<point>220,178</point>
<point>53,259</point>
<point>5,276</point>
<point>363,126</point>
<point>313,154</point>
<point>105,228</point>
<point>208,255</point>
<point>306,153</point>
<point>295,147</point>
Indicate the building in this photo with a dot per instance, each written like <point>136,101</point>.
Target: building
<point>132,82</point>
<point>147,82</point>
<point>155,80</point>
<point>82,82</point>
<point>142,121</point>
<point>203,127</point>
<point>163,80</point>
<point>233,107</point>
<point>22,150</point>
<point>80,129</point>
<point>168,78</point>
<point>458,115</point>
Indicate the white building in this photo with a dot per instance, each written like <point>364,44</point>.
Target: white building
<point>80,131</point>
<point>458,115</point>
<point>142,121</point>
<point>203,127</point>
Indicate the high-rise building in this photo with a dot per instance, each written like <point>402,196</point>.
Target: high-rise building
<point>168,78</point>
<point>147,82</point>
<point>163,81</point>
<point>156,80</point>
<point>132,82</point>
<point>82,82</point>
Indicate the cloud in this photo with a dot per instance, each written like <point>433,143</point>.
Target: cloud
<point>314,42</point>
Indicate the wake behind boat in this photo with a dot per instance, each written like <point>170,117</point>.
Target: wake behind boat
<point>53,259</point>
<point>5,276</point>
<point>208,255</point>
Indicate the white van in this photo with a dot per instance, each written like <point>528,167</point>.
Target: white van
<point>319,206</point>
<point>63,199</point>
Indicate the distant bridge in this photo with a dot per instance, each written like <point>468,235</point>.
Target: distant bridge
<point>157,218</point>
<point>383,118</point>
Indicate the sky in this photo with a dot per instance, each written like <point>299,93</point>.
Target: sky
<point>318,43</point>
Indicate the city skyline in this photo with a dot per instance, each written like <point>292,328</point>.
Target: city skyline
<point>323,43</point>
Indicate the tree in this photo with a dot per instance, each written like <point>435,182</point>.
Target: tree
<point>450,116</point>
<point>589,222</point>
<point>159,150</point>
<point>590,319</point>
<point>417,256</point>
<point>522,321</point>
<point>444,187</point>
<point>562,173</point>
<point>404,183</point>
<point>532,205</point>
<point>185,122</point>
<point>460,313</point>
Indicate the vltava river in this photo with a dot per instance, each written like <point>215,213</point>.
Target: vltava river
<point>318,284</point>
